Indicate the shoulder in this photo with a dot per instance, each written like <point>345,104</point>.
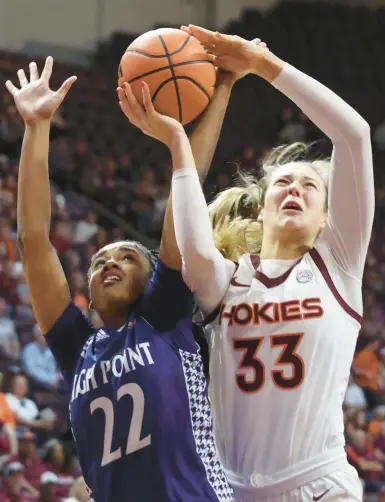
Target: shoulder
<point>11,398</point>
<point>166,276</point>
<point>29,347</point>
<point>71,318</point>
<point>167,300</point>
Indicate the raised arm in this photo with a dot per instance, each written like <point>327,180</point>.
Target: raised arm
<point>351,188</point>
<point>202,261</point>
<point>36,103</point>
<point>203,140</point>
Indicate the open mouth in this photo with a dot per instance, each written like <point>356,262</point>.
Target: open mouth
<point>292,206</point>
<point>111,279</point>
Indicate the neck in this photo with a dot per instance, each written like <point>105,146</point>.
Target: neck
<point>115,320</point>
<point>281,249</point>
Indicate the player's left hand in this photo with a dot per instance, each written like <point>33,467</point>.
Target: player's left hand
<point>231,52</point>
<point>145,117</point>
<point>229,70</point>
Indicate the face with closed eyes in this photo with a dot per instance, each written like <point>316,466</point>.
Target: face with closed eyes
<point>295,203</point>
<point>119,274</point>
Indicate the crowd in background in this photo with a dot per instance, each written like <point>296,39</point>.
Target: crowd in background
<point>95,193</point>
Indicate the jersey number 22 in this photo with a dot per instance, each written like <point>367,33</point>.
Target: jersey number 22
<point>134,443</point>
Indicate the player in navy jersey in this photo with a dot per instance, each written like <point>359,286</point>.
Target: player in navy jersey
<point>138,399</point>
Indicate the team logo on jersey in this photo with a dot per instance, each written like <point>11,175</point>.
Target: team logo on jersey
<point>102,335</point>
<point>304,276</point>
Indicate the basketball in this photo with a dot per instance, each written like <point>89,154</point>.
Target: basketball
<point>176,68</point>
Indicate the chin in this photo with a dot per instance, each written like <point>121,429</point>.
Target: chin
<point>292,224</point>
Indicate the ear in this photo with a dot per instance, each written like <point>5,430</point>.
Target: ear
<point>324,221</point>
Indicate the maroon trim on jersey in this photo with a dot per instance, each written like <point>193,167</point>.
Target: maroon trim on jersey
<point>211,317</point>
<point>267,281</point>
<point>329,281</point>
<point>234,281</point>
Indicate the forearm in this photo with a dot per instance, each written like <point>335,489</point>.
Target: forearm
<point>205,136</point>
<point>205,270</point>
<point>203,141</point>
<point>327,110</point>
<point>34,201</point>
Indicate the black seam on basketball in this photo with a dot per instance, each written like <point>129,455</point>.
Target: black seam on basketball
<point>186,41</point>
<point>155,56</point>
<point>180,78</point>
<point>173,77</point>
<point>168,67</point>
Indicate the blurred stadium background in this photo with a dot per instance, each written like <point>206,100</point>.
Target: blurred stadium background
<point>110,182</point>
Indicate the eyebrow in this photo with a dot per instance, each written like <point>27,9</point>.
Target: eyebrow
<point>307,178</point>
<point>101,253</point>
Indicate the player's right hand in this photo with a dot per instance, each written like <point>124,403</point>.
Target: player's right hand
<point>145,117</point>
<point>208,38</point>
<point>35,100</point>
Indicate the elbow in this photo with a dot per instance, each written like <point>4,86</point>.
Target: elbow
<point>360,129</point>
<point>33,243</point>
<point>25,237</point>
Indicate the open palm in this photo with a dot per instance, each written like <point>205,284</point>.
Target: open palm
<point>145,117</point>
<point>35,100</point>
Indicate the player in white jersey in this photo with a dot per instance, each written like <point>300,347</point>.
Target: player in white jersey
<point>289,315</point>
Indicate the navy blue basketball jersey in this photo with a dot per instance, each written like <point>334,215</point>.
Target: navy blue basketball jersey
<point>139,408</point>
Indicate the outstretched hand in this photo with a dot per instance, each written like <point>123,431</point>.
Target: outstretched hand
<point>145,117</point>
<point>230,52</point>
<point>35,100</point>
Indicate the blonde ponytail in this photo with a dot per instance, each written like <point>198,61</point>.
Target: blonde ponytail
<point>234,217</point>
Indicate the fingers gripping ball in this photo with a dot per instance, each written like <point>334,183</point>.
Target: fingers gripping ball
<point>177,69</point>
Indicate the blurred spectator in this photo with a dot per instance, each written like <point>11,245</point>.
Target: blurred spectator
<point>8,283</point>
<point>7,241</point>
<point>16,487</point>
<point>367,370</point>
<point>379,443</point>
<point>9,342</point>
<point>86,228</point>
<point>355,396</point>
<point>79,492</point>
<point>38,361</point>
<point>48,488</point>
<point>8,441</point>
<point>33,467</point>
<point>25,410</point>
<point>58,458</point>
<point>362,456</point>
<point>61,237</point>
<point>79,291</point>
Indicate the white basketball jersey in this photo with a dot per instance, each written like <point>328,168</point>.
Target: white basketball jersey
<point>280,357</point>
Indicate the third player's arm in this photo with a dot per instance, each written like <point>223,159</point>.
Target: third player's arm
<point>203,140</point>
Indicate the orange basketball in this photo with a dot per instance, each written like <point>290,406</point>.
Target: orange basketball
<point>176,68</point>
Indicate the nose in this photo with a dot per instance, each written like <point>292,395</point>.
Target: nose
<point>295,188</point>
<point>111,263</point>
